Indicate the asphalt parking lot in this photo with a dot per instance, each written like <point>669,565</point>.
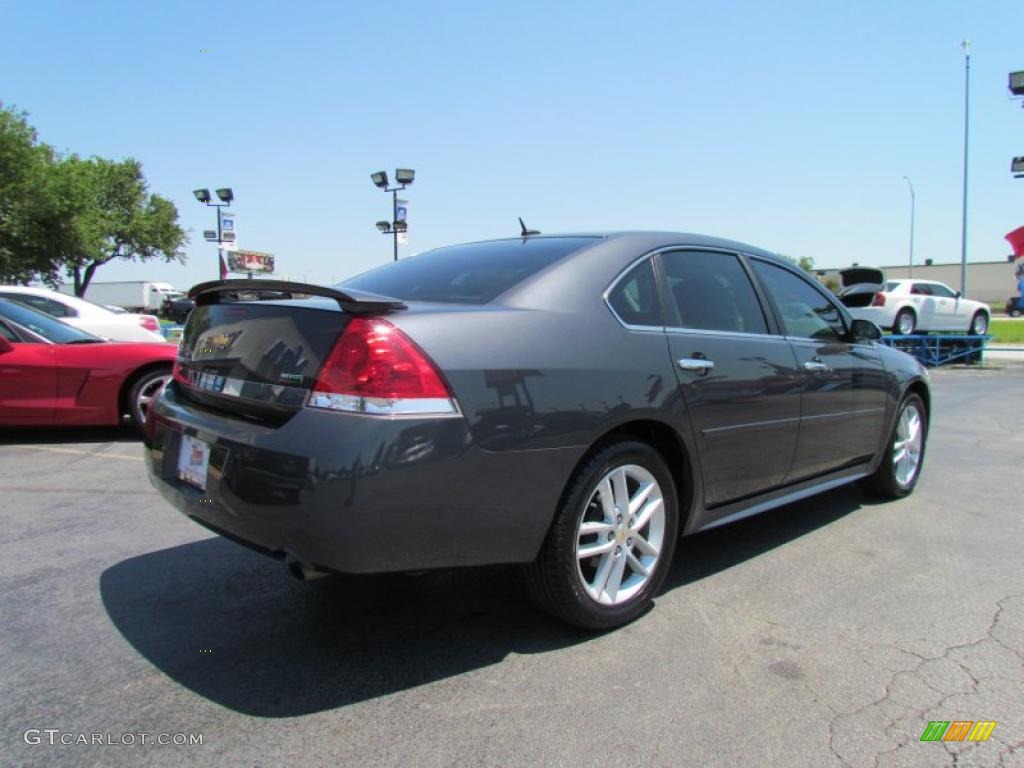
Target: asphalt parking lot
<point>826,633</point>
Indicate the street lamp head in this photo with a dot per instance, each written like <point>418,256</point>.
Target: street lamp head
<point>405,176</point>
<point>384,227</point>
<point>966,45</point>
<point>1017,165</point>
<point>202,195</point>
<point>380,178</point>
<point>1017,83</point>
<point>225,194</point>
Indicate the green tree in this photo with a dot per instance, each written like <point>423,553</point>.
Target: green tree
<point>73,215</point>
<point>805,263</point>
<point>115,217</point>
<point>30,232</point>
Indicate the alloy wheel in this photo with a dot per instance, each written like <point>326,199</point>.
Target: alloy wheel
<point>906,448</point>
<point>145,394</point>
<point>621,535</point>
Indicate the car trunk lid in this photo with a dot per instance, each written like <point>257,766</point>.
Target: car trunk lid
<point>860,285</point>
<point>862,278</point>
<point>259,358</point>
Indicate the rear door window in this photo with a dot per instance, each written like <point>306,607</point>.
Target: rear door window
<point>711,291</point>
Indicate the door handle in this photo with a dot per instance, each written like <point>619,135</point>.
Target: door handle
<point>696,364</point>
<point>816,366</point>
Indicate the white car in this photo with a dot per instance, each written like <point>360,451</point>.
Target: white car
<point>83,314</point>
<point>908,306</point>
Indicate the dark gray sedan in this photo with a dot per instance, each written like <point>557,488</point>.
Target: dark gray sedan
<point>573,403</point>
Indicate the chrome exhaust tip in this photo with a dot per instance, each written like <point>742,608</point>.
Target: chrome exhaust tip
<point>302,571</point>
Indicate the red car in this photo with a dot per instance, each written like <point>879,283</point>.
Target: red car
<point>54,374</point>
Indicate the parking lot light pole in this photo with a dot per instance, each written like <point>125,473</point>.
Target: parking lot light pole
<point>403,178</point>
<point>910,262</point>
<point>226,196</point>
<point>966,45</point>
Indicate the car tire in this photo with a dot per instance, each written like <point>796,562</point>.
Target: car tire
<point>633,548</point>
<point>1014,313</point>
<point>979,324</point>
<point>900,467</point>
<point>905,323</point>
<point>142,391</point>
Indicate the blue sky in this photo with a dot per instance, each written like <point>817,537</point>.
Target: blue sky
<point>789,125</point>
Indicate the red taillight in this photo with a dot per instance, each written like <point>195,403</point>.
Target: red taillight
<point>879,300</point>
<point>150,323</point>
<point>375,368</point>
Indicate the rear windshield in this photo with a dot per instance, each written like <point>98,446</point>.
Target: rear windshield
<point>891,286</point>
<point>475,273</point>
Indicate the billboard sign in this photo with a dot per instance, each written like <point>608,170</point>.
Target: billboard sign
<point>251,261</point>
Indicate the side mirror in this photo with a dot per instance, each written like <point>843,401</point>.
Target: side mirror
<point>958,294</point>
<point>5,346</point>
<point>864,330</point>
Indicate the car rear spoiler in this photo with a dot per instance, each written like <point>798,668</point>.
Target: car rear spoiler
<point>355,302</point>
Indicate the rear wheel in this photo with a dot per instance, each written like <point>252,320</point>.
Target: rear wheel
<point>143,390</point>
<point>611,544</point>
<point>900,467</point>
<point>979,324</point>
<point>905,322</point>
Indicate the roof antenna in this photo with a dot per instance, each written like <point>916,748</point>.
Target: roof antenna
<point>527,232</point>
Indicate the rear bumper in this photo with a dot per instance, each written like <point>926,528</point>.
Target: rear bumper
<point>360,494</point>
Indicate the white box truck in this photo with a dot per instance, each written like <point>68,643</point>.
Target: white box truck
<point>133,295</point>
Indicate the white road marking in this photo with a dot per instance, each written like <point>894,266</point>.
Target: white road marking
<point>53,449</point>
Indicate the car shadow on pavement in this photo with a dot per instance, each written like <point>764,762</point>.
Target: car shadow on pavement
<point>51,436</point>
<point>233,627</point>
<point>721,548</point>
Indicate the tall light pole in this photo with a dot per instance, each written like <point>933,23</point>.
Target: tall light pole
<point>403,178</point>
<point>910,262</point>
<point>226,196</point>
<point>966,45</point>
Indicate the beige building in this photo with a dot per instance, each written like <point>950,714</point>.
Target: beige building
<point>989,281</point>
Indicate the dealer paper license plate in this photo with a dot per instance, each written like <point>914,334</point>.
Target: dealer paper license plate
<point>193,460</point>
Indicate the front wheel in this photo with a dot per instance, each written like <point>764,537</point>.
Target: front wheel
<point>900,467</point>
<point>611,544</point>
<point>143,390</point>
<point>979,324</point>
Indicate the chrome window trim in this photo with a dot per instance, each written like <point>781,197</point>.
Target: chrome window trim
<point>678,330</point>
